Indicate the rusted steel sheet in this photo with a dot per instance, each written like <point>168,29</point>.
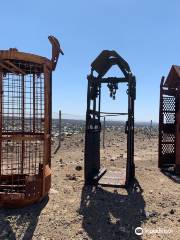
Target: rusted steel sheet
<point>173,77</point>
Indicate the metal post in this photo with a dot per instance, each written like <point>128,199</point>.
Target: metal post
<point>60,122</point>
<point>23,116</point>
<point>34,103</point>
<point>160,160</point>
<point>59,143</point>
<point>150,128</point>
<point>1,100</point>
<point>47,123</point>
<point>104,127</point>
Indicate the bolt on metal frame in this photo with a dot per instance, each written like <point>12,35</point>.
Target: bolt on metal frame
<point>93,171</point>
<point>25,125</point>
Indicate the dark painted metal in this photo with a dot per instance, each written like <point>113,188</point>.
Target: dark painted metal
<point>167,125</point>
<point>169,121</point>
<point>1,93</point>
<point>93,125</point>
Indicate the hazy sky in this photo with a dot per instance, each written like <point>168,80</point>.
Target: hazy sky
<point>145,33</point>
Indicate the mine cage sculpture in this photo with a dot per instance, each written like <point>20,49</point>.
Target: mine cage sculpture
<point>25,125</point>
<point>94,174</point>
<point>169,122</point>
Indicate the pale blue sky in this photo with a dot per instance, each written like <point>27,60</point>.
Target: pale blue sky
<point>145,33</point>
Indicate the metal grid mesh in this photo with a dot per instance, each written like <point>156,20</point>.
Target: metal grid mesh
<point>12,157</point>
<point>167,134</point>
<point>23,102</point>
<point>22,145</point>
<point>169,103</point>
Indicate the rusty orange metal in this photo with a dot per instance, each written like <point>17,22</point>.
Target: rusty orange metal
<point>25,125</point>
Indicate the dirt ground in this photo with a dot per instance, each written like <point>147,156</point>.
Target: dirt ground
<point>73,211</point>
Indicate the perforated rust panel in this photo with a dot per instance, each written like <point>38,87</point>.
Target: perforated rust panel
<point>167,130</point>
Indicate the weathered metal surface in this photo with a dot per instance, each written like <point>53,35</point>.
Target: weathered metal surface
<point>166,129</point>
<point>10,58</point>
<point>173,77</point>
<point>93,124</point>
<point>28,189</point>
<point>56,50</point>
<point>25,131</point>
<point>114,178</point>
<point>169,121</point>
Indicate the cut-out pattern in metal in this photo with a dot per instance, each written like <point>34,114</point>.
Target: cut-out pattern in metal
<point>168,126</point>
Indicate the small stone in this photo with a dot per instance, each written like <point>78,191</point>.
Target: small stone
<point>71,177</point>
<point>80,231</point>
<point>153,214</point>
<point>174,203</point>
<point>165,215</point>
<point>78,168</point>
<point>154,221</point>
<point>147,214</point>
<point>53,191</point>
<point>172,211</point>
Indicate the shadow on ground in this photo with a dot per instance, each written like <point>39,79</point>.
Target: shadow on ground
<point>20,223</point>
<point>109,216</point>
<point>172,175</point>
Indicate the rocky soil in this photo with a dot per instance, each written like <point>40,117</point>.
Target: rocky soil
<point>73,211</point>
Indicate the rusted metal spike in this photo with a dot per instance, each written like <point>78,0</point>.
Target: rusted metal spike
<point>56,50</point>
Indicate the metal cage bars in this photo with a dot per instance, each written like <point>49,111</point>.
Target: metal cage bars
<point>25,125</point>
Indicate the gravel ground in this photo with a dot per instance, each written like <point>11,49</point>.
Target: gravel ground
<point>73,211</point>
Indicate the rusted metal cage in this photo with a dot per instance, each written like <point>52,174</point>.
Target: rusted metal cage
<point>25,125</point>
<point>169,121</point>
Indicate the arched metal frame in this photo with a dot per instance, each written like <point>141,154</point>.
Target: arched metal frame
<point>25,125</point>
<point>101,65</point>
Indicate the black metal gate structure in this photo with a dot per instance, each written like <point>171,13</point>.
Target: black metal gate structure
<point>93,171</point>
